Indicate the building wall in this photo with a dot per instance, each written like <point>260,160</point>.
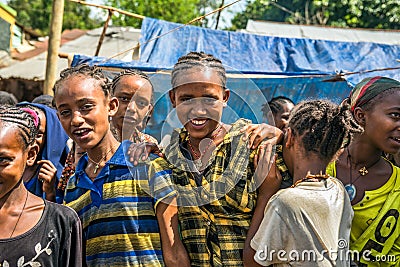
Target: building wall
<point>5,35</point>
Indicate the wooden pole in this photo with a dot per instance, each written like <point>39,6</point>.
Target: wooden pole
<point>219,14</point>
<point>103,33</point>
<point>54,45</point>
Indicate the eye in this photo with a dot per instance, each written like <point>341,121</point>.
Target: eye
<point>187,101</point>
<point>4,161</point>
<point>142,103</point>
<point>65,113</point>
<point>87,107</point>
<point>124,99</point>
<point>395,115</point>
<point>209,101</point>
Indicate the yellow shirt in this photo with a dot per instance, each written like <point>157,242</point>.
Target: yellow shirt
<point>376,224</point>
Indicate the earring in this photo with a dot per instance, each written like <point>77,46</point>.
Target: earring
<point>224,104</point>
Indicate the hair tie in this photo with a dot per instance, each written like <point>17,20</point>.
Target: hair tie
<point>33,114</point>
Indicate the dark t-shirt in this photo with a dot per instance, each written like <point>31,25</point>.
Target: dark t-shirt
<point>56,240</point>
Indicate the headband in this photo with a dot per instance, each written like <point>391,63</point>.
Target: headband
<point>33,114</point>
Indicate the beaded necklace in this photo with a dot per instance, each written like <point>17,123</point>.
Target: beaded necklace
<point>311,178</point>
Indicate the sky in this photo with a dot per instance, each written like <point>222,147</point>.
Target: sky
<point>227,14</point>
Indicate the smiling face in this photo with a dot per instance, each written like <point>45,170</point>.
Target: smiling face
<point>134,95</point>
<point>13,158</point>
<point>84,109</point>
<point>199,102</point>
<point>382,123</point>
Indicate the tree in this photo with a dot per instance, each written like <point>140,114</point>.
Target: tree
<point>380,14</point>
<point>180,11</point>
<point>35,14</point>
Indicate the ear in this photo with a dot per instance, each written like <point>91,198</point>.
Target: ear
<point>171,94</point>
<point>112,106</point>
<point>33,151</point>
<point>359,116</point>
<point>227,93</point>
<point>289,138</point>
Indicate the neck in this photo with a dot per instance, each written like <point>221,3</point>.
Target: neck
<point>361,154</point>
<point>14,197</point>
<point>216,136</point>
<point>300,171</point>
<point>99,151</point>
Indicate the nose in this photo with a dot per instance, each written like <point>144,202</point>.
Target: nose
<point>77,118</point>
<point>131,106</point>
<point>198,108</point>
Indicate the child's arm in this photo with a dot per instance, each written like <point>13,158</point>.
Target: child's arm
<point>269,186</point>
<point>174,252</point>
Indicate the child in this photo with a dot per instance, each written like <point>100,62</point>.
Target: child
<point>134,92</point>
<point>118,214</point>
<point>213,166</point>
<point>42,177</point>
<point>372,182</point>
<point>280,107</point>
<point>315,214</point>
<point>34,231</point>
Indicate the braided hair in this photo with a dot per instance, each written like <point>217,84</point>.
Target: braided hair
<point>24,121</point>
<point>88,71</point>
<point>198,60</point>
<point>323,127</point>
<point>131,72</point>
<point>276,105</point>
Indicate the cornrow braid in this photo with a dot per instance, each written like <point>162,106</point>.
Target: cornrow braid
<point>276,105</point>
<point>323,126</point>
<point>129,72</point>
<point>88,71</point>
<point>16,117</point>
<point>199,60</point>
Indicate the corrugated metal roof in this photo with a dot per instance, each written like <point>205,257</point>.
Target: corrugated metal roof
<point>117,39</point>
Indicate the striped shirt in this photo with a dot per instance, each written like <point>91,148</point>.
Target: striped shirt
<point>215,206</point>
<point>117,210</point>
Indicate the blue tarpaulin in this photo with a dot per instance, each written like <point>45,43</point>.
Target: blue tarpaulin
<point>271,66</point>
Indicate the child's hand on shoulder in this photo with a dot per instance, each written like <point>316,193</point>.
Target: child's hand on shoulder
<point>141,151</point>
<point>256,133</point>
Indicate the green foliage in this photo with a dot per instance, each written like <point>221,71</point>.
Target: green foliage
<point>380,14</point>
<point>36,14</point>
<point>180,11</point>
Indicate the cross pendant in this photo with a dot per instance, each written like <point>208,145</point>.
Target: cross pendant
<point>95,168</point>
<point>363,171</point>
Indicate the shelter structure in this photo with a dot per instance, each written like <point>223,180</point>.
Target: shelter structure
<point>259,66</point>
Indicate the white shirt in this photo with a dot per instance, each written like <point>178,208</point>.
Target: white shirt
<point>308,225</point>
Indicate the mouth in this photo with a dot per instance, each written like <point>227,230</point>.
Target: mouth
<point>396,139</point>
<point>129,120</point>
<point>81,133</point>
<point>198,122</point>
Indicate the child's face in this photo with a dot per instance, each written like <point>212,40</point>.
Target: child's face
<point>13,158</point>
<point>282,117</point>
<point>134,97</point>
<point>83,110</point>
<point>199,102</point>
<point>382,123</point>
<point>41,135</point>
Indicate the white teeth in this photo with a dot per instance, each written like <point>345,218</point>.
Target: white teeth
<point>80,131</point>
<point>198,122</point>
